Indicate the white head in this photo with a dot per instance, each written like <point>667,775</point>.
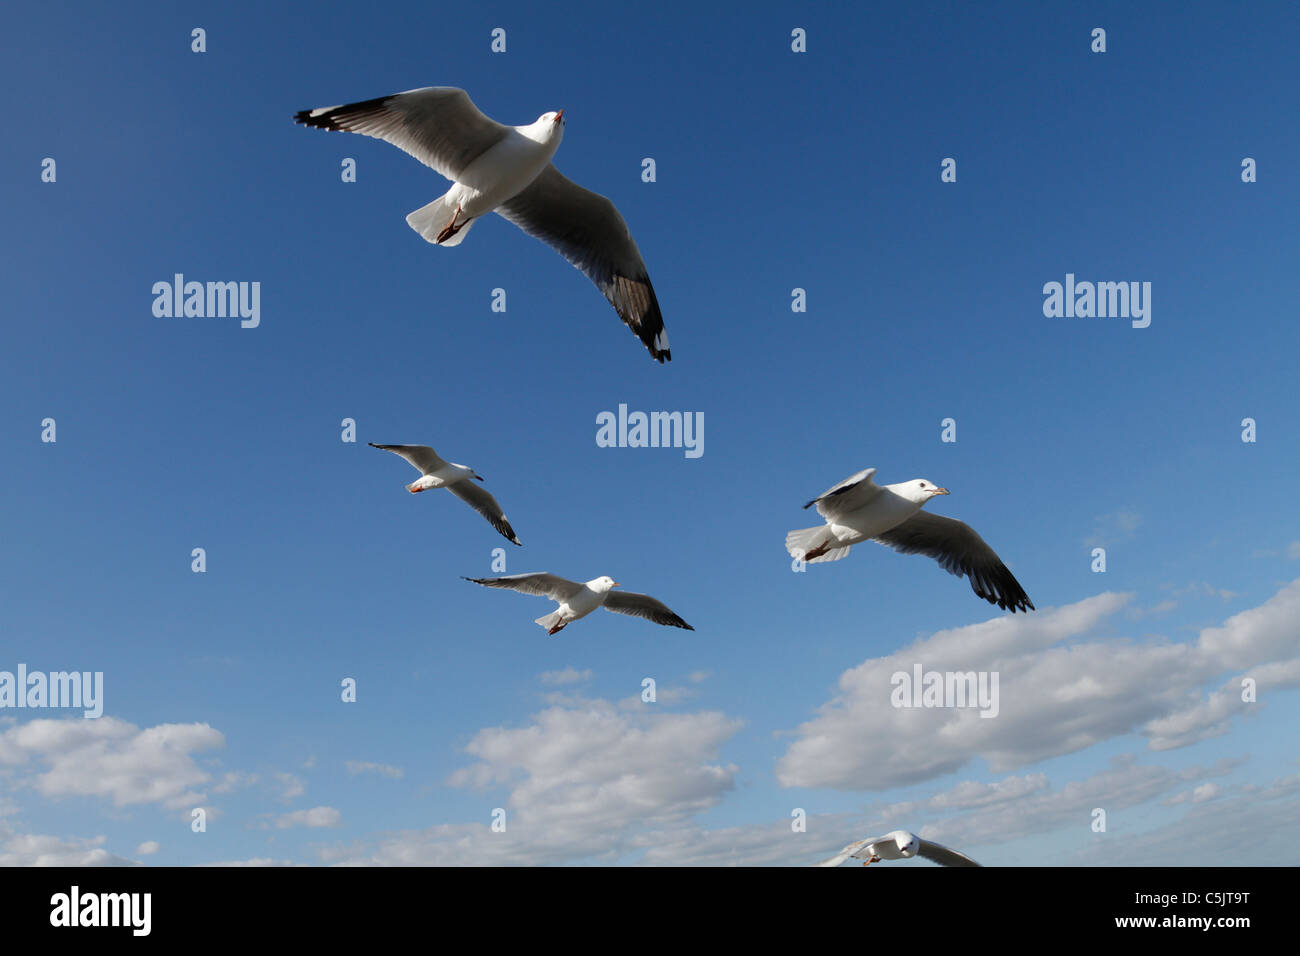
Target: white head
<point>549,128</point>
<point>918,490</point>
<point>908,844</point>
<point>602,584</point>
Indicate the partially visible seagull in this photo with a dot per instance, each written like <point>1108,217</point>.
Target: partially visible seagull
<point>898,845</point>
<point>507,170</point>
<point>436,473</point>
<point>577,600</point>
<point>857,509</point>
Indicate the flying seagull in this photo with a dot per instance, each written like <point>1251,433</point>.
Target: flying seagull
<point>436,473</point>
<point>577,600</point>
<point>857,509</point>
<point>507,170</point>
<point>898,845</point>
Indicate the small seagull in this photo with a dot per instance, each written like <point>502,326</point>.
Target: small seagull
<point>507,170</point>
<point>577,600</point>
<point>898,845</point>
<point>436,473</point>
<point>857,509</point>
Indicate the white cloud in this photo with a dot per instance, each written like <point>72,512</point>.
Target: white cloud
<point>567,676</point>
<point>384,770</point>
<point>148,848</point>
<point>30,849</point>
<point>111,758</point>
<point>584,780</point>
<point>1112,529</point>
<point>315,817</point>
<point>1057,694</point>
<point>291,785</point>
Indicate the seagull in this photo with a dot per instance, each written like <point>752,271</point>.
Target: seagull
<point>507,170</point>
<point>577,600</point>
<point>898,845</point>
<point>857,509</point>
<point>436,473</point>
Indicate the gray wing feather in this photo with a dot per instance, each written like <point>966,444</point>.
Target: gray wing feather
<point>960,551</point>
<point>539,583</point>
<point>481,500</point>
<point>588,230</point>
<point>421,457</point>
<point>849,495</point>
<point>643,605</point>
<point>942,855</point>
<point>438,125</point>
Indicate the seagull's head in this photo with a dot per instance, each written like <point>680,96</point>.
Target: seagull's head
<point>602,584</point>
<point>908,844</point>
<point>550,126</point>
<point>919,490</point>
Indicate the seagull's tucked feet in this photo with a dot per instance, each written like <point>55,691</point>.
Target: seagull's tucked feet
<point>451,228</point>
<point>817,552</point>
<point>559,627</point>
<point>414,488</point>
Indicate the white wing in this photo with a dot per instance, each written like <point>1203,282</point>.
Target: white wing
<point>587,229</point>
<point>539,583</point>
<point>959,550</point>
<point>851,850</point>
<point>438,125</point>
<point>643,605</point>
<point>943,855</point>
<point>849,495</point>
<point>482,501</point>
<point>423,458</point>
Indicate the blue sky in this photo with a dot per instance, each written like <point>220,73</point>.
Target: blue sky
<point>775,170</point>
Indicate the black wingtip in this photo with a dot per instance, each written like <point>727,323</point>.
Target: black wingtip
<point>319,122</point>
<point>810,504</point>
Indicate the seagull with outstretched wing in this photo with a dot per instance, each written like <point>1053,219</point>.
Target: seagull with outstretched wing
<point>577,599</point>
<point>458,479</point>
<point>898,845</point>
<point>507,170</point>
<point>858,509</point>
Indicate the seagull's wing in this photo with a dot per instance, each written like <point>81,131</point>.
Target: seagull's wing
<point>643,605</point>
<point>438,125</point>
<point>849,495</point>
<point>481,500</point>
<point>423,458</point>
<point>853,849</point>
<point>543,585</point>
<point>586,229</point>
<point>959,550</point>
<point>942,855</point>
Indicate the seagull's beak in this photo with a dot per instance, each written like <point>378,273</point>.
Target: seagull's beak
<point>616,585</point>
<point>942,491</point>
<point>559,117</point>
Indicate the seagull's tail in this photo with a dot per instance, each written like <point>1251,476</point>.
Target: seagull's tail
<point>432,219</point>
<point>810,540</point>
<point>549,621</point>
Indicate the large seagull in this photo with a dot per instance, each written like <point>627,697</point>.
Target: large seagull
<point>577,599</point>
<point>898,845</point>
<point>507,170</point>
<point>858,509</point>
